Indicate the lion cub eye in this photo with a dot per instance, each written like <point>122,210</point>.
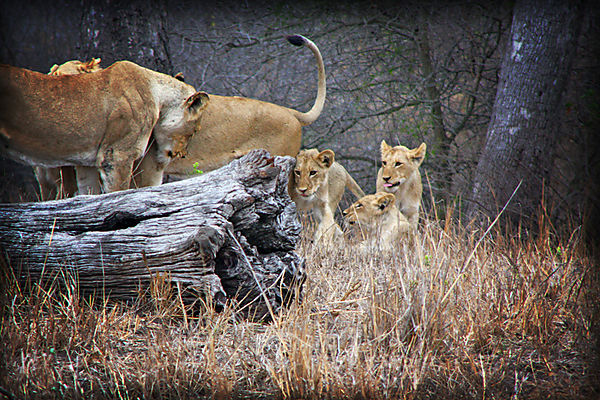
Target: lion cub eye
<point>313,173</point>
<point>358,205</point>
<point>297,172</point>
<point>398,163</point>
<point>383,163</point>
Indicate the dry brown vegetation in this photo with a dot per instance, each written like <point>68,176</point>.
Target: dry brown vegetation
<point>449,316</point>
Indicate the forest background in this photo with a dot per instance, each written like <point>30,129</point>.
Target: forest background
<point>402,72</point>
<point>506,96</point>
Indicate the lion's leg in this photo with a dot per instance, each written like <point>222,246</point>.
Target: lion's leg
<point>69,181</point>
<point>404,226</point>
<point>326,233</point>
<point>116,176</point>
<point>327,228</point>
<point>129,136</point>
<point>149,171</point>
<point>412,214</point>
<point>48,179</point>
<point>318,216</point>
<point>88,180</point>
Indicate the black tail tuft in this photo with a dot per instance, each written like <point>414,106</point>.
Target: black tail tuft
<point>179,76</point>
<point>296,40</point>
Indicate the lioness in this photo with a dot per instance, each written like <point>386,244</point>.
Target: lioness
<point>317,184</point>
<point>399,174</point>
<point>379,220</point>
<point>102,120</point>
<point>61,182</point>
<point>232,126</point>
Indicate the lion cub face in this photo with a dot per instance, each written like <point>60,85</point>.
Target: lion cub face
<point>370,209</point>
<point>398,164</point>
<point>311,170</point>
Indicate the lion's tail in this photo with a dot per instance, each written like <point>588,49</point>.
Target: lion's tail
<point>311,115</point>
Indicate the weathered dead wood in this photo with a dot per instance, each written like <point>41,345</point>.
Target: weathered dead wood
<point>229,233</point>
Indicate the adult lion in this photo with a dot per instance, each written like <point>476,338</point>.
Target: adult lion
<point>232,126</point>
<point>102,120</point>
<point>62,182</point>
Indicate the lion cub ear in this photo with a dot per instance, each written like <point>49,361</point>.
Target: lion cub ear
<point>417,155</point>
<point>385,147</point>
<point>326,157</point>
<point>385,201</point>
<point>196,103</point>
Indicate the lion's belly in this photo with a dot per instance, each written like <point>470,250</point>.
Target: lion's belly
<point>45,151</point>
<point>49,161</point>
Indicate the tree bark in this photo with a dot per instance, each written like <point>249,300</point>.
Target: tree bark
<point>441,142</point>
<point>126,30</point>
<point>524,128</point>
<point>229,234</point>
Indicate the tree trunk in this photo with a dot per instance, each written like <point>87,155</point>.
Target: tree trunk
<point>523,130</point>
<point>127,30</point>
<point>441,142</point>
<point>228,234</point>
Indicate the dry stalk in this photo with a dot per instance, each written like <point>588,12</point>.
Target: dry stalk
<point>447,316</point>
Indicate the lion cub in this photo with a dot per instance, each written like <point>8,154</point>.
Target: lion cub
<point>399,174</point>
<point>317,183</point>
<point>379,220</point>
<point>75,67</point>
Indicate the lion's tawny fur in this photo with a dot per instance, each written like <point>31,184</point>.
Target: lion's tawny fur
<point>75,67</point>
<point>232,126</point>
<point>378,220</point>
<point>62,182</point>
<point>399,174</point>
<point>317,184</point>
<point>100,120</point>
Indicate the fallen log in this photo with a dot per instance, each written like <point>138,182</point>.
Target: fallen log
<point>229,234</point>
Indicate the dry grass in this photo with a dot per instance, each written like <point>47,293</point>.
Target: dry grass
<point>440,318</point>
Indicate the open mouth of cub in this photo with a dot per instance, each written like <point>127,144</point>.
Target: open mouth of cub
<point>391,184</point>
